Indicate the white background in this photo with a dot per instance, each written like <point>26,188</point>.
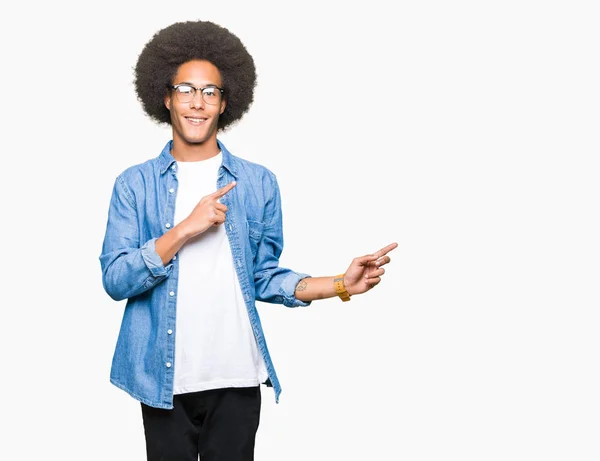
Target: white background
<point>466,131</point>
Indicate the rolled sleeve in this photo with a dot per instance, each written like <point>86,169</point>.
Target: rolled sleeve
<point>152,259</point>
<point>288,290</point>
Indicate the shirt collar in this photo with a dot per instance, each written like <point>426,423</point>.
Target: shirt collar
<point>166,159</point>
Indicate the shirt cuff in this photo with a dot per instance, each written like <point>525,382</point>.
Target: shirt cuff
<point>288,288</point>
<point>152,259</point>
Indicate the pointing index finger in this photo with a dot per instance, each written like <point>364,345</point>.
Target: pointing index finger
<point>223,190</point>
<point>385,250</point>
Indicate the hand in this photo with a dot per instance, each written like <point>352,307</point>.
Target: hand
<point>208,212</point>
<point>365,272</point>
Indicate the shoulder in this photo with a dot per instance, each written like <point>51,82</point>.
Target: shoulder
<point>142,168</point>
<point>143,171</point>
<point>138,173</point>
<point>256,171</point>
<point>133,182</point>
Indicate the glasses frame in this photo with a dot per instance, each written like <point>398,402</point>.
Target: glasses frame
<point>196,89</point>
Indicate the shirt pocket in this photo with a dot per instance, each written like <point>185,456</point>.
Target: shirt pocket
<point>255,232</point>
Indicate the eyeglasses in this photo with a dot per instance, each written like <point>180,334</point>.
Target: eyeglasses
<point>186,93</point>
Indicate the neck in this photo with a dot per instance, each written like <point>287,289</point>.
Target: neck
<point>192,152</point>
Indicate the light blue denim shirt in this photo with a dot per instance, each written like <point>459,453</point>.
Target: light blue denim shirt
<point>142,208</point>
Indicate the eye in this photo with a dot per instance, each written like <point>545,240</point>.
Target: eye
<point>210,92</point>
<point>184,89</point>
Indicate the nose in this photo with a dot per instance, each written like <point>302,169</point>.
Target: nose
<point>197,102</point>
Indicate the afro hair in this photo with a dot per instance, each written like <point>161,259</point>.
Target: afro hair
<point>181,42</point>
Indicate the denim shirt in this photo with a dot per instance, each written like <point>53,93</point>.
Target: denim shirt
<point>142,208</point>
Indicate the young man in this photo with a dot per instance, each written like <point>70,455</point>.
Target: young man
<point>193,240</point>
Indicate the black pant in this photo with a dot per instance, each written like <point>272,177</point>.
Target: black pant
<point>218,425</point>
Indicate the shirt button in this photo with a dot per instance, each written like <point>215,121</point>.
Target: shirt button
<point>171,293</point>
<point>168,225</point>
<point>168,364</point>
<point>174,257</point>
<point>239,263</point>
<point>173,167</point>
<point>169,331</point>
<point>171,190</point>
<point>230,227</point>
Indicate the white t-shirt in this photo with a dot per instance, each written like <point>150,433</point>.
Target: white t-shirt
<point>214,344</point>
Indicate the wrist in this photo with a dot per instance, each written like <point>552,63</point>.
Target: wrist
<point>340,287</point>
<point>348,288</point>
<point>183,231</point>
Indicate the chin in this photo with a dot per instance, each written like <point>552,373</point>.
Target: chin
<point>195,139</point>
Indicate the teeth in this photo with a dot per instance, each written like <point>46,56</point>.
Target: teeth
<point>196,120</point>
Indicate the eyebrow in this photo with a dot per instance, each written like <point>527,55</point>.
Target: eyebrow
<point>208,85</point>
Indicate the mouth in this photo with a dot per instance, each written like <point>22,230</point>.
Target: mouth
<point>196,120</point>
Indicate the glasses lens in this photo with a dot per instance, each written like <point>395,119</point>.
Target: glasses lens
<point>211,95</point>
<point>185,93</point>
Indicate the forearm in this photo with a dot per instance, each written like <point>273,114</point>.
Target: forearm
<point>313,288</point>
<point>170,242</point>
<point>128,272</point>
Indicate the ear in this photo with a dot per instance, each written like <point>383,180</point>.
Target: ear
<point>168,100</point>
<point>223,105</point>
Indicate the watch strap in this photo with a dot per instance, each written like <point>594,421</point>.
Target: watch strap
<point>340,289</point>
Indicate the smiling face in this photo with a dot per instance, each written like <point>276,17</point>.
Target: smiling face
<point>195,122</point>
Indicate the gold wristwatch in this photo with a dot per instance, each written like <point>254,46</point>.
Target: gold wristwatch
<point>340,289</point>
